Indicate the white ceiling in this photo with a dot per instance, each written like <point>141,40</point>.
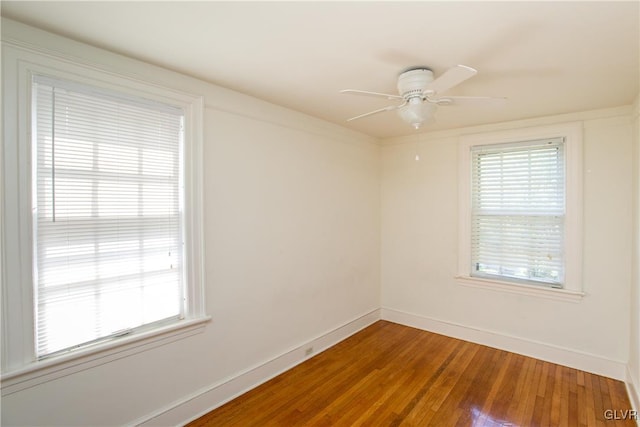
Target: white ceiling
<point>546,57</point>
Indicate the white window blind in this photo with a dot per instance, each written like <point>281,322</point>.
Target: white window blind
<point>518,211</point>
<point>108,246</point>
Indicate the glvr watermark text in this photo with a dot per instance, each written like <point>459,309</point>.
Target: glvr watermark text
<point>621,414</point>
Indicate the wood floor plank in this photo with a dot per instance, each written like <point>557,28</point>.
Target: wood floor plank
<point>440,384</point>
<point>581,400</point>
<point>590,400</point>
<point>394,375</point>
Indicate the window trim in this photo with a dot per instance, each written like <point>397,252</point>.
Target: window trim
<point>572,132</point>
<point>88,357</point>
<point>19,365</point>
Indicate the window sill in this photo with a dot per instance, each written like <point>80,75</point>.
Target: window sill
<point>80,360</point>
<point>522,289</point>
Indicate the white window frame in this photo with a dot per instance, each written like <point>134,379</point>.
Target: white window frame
<point>572,133</point>
<point>20,367</point>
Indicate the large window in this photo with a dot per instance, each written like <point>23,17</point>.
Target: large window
<point>521,210</point>
<point>101,239</point>
<point>108,214</point>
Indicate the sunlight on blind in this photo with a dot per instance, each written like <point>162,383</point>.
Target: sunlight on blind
<point>518,207</point>
<point>108,224</point>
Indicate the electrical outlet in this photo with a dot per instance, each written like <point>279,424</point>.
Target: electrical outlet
<point>308,351</point>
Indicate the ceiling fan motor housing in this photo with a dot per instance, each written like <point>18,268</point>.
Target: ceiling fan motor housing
<point>413,82</point>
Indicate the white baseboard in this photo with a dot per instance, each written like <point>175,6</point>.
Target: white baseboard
<point>550,353</point>
<point>633,390</point>
<point>199,403</point>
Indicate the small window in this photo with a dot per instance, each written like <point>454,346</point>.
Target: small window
<point>518,211</point>
<point>108,225</point>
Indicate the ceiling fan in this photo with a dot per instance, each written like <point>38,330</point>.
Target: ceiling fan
<point>420,94</point>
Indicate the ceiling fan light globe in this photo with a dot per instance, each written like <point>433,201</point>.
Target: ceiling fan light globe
<point>416,113</point>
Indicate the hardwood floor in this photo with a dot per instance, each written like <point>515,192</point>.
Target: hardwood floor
<point>393,375</point>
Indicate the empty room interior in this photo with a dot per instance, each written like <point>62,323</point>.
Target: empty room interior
<point>320,213</point>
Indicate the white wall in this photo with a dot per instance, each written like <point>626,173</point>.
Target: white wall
<point>292,253</point>
<point>419,250</point>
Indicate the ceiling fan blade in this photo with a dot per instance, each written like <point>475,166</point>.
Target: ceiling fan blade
<point>452,77</point>
<point>381,110</point>
<point>368,93</point>
<point>484,101</point>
